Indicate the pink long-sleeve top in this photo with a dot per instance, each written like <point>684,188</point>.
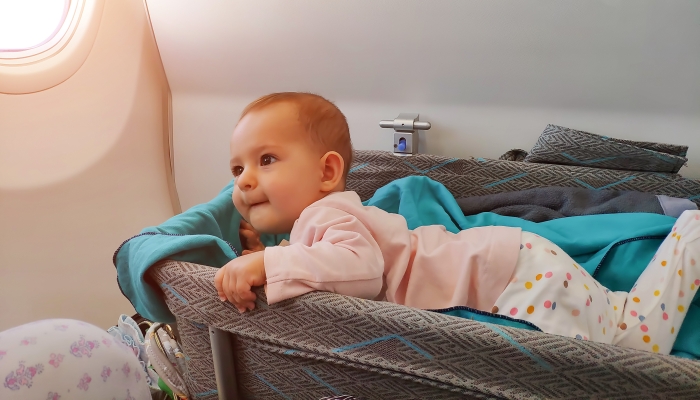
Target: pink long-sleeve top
<point>338,245</point>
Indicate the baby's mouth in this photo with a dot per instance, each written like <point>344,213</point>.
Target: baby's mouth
<point>258,204</point>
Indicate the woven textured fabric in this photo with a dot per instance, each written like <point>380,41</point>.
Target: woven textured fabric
<point>479,176</point>
<point>559,145</point>
<point>514,155</point>
<point>323,344</point>
<point>194,338</point>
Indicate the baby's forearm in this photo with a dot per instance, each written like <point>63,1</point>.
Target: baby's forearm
<point>298,269</point>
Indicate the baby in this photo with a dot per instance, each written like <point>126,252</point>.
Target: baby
<point>290,155</point>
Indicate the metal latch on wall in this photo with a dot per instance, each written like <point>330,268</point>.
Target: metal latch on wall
<point>405,135</point>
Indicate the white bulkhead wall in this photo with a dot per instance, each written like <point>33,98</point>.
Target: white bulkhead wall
<point>83,167</point>
<point>489,75</point>
<point>85,163</point>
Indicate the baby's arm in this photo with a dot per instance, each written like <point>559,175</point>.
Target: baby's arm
<point>234,280</point>
<point>332,251</point>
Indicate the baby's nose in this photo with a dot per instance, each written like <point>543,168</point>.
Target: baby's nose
<point>246,181</point>
<point>245,186</point>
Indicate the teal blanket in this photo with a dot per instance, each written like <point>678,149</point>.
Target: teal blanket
<point>614,248</point>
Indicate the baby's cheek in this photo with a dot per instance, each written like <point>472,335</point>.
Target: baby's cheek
<point>239,205</point>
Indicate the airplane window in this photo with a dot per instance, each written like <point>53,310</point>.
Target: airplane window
<point>26,24</point>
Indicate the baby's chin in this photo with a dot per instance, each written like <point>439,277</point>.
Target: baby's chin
<point>267,225</point>
<point>272,230</point>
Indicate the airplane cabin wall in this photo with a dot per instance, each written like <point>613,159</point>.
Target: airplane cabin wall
<point>83,167</point>
<point>489,75</point>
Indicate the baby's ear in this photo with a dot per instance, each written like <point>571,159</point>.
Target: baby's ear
<point>332,167</point>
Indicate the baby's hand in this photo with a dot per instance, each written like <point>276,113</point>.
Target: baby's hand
<point>250,238</point>
<point>235,279</point>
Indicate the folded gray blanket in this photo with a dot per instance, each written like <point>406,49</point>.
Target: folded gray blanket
<point>547,203</point>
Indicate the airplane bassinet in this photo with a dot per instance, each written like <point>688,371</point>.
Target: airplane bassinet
<point>324,344</point>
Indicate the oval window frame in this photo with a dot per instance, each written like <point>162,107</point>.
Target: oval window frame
<point>58,33</point>
<point>49,64</point>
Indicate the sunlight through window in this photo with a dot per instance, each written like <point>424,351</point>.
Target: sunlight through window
<point>26,24</point>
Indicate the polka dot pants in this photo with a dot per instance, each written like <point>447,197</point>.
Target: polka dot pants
<point>551,291</point>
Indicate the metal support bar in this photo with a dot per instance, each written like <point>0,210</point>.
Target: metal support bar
<point>222,348</point>
<point>405,135</point>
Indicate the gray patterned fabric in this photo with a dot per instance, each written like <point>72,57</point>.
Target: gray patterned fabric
<point>479,176</point>
<point>324,344</point>
<point>559,145</point>
<point>514,155</point>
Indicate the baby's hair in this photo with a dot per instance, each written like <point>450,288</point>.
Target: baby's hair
<point>321,119</point>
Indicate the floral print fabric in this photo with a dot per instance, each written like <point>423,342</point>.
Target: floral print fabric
<point>62,359</point>
<point>129,334</point>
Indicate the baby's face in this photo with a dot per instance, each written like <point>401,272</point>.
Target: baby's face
<point>276,169</point>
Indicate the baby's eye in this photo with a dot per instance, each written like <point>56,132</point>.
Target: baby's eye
<point>267,159</point>
<point>237,170</point>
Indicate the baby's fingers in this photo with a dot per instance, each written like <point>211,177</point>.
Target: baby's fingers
<point>249,234</point>
<point>244,293</point>
<point>218,283</point>
<point>218,277</point>
<point>229,289</point>
<point>252,239</point>
<point>233,294</point>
